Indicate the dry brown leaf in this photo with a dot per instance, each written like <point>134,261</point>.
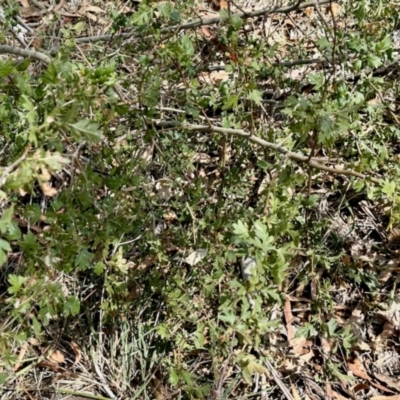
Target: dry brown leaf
<point>335,9</point>
<point>387,333</point>
<point>356,323</point>
<point>50,365</point>
<point>88,8</point>
<point>392,315</point>
<point>392,382</point>
<point>34,342</point>
<point>147,262</point>
<point>327,345</point>
<point>24,3</point>
<point>309,11</point>
<point>21,355</point>
<point>214,77</point>
<point>202,158</point>
<point>223,4</point>
<point>338,396</point>
<point>295,393</point>
<point>96,18</point>
<point>56,357</point>
<point>287,312</point>
<point>206,32</point>
<point>328,389</point>
<point>357,368</point>
<point>360,386</point>
<point>381,387</point>
<point>397,397</point>
<point>392,267</point>
<point>48,190</point>
<point>77,352</point>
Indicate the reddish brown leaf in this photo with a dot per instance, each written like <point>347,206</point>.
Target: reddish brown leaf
<point>357,368</point>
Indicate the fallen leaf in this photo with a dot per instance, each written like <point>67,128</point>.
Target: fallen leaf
<point>397,397</point>
<point>295,393</point>
<point>206,32</point>
<point>48,190</point>
<point>338,396</point>
<point>77,352</point>
<point>357,368</point>
<point>214,77</point>
<point>56,357</point>
<point>381,387</point>
<point>392,267</point>
<point>88,8</point>
<point>287,312</point>
<point>328,389</point>
<point>21,355</point>
<point>50,365</point>
<point>360,386</point>
<point>195,257</point>
<point>335,9</point>
<point>34,342</point>
<point>392,382</point>
<point>392,315</point>
<point>24,3</point>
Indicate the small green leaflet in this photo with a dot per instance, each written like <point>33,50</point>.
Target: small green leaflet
<point>90,130</point>
<point>256,96</point>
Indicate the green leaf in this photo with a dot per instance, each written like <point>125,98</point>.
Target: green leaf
<point>90,130</point>
<point>373,61</point>
<point>50,76</point>
<point>3,378</point>
<point>236,22</point>
<point>55,161</point>
<point>4,245</point>
<point>23,66</point>
<point>16,282</point>
<point>5,220</point>
<point>99,268</point>
<point>256,96</point>
<point>389,187</point>
<point>72,306</point>
<point>83,259</point>
<point>317,80</point>
<point>241,229</point>
<point>187,45</point>
<point>36,326</point>
<point>228,317</point>
<point>3,258</point>
<point>6,67</point>
<point>331,325</point>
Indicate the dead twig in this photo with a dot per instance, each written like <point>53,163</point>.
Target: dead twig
<point>312,162</point>
<point>25,53</point>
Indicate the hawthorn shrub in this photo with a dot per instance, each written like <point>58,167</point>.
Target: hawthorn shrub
<point>139,170</point>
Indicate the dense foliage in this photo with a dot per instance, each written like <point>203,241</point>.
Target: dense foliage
<point>138,171</point>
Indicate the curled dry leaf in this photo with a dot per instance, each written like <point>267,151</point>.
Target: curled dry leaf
<point>56,357</point>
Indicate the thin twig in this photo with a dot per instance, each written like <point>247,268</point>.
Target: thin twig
<point>278,381</point>
<point>25,53</point>
<point>313,162</point>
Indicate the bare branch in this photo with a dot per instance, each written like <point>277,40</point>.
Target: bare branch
<point>208,21</point>
<point>313,162</point>
<point>25,53</point>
